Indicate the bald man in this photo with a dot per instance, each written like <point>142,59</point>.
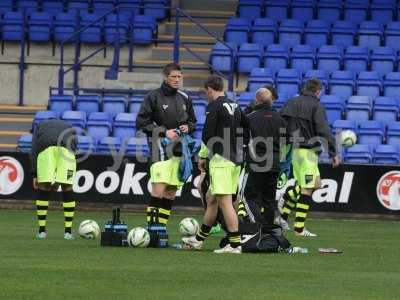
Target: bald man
<point>265,127</point>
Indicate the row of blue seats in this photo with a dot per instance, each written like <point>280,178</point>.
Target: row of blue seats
<point>330,10</point>
<point>154,8</point>
<point>131,146</point>
<point>316,33</point>
<point>44,27</point>
<point>112,105</point>
<point>228,58</point>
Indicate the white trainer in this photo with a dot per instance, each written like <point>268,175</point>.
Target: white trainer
<point>193,242</point>
<point>282,222</point>
<point>305,233</point>
<point>68,236</point>
<point>229,249</point>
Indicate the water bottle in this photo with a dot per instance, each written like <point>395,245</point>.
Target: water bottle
<point>299,250</point>
<point>177,246</point>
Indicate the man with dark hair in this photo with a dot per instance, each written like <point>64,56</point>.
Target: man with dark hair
<point>165,112</point>
<point>221,143</point>
<point>53,165</point>
<point>309,131</point>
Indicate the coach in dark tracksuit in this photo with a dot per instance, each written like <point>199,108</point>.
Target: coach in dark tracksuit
<point>262,160</point>
<point>165,112</point>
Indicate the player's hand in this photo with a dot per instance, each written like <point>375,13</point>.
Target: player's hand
<point>335,161</point>
<point>202,164</point>
<point>184,128</point>
<point>172,134</point>
<point>35,184</point>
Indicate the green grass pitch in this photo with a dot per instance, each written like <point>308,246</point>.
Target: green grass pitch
<point>54,268</point>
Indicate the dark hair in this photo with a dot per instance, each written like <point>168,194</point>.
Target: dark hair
<point>272,89</point>
<point>168,68</point>
<point>214,82</point>
<point>311,87</point>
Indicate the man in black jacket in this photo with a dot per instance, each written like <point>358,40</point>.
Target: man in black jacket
<point>53,164</point>
<point>165,112</point>
<point>310,132</point>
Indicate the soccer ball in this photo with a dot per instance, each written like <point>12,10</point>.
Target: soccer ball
<point>189,226</point>
<point>89,229</point>
<point>348,138</point>
<point>138,237</point>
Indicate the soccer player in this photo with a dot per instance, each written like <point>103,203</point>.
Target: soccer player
<point>165,112</point>
<point>221,135</point>
<point>310,131</point>
<point>53,165</point>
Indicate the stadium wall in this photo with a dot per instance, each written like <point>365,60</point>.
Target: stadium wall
<point>355,189</point>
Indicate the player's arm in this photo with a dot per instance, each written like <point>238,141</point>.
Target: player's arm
<point>145,118</point>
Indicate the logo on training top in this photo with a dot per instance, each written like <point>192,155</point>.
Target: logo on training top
<point>388,190</point>
<point>11,175</point>
<point>230,107</point>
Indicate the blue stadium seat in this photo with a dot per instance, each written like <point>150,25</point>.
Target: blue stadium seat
<point>370,133</point>
<point>65,24</point>
<point>290,32</point>
<point>40,26</point>
<point>358,154</point>
<point>155,8</point>
<point>343,33</point>
<point>383,59</point>
<point>369,84</point>
<point>382,11</point>
<point>231,95</point>
<point>87,103</point>
<point>78,6</point>
<point>280,102</point>
<point>386,154</point>
<point>370,34</point>
<point>144,29</point>
<point>329,58</point>
<point>53,7</point>
<point>44,115</point>
<point>102,7</point>
<point>250,9</point>
<point>246,97</point>
<point>385,110</point>
<point>124,125</point>
<point>355,11</point>
<point>200,111</point>
<point>342,83</point>
<point>320,74</point>
<point>24,143</point>
<point>6,5</point>
<point>277,9</point>
<point>359,108</point>
<point>263,31</point>
<point>100,116</point>
<point>393,134</point>
<point>316,33</point>
<point>28,6</point>
<point>108,144</point>
<point>237,30</point>
<point>114,105</point>
<point>356,59</point>
<point>276,57</point>
<point>12,29</point>
<point>92,34</point>
<point>75,118</point>
<point>288,81</point>
<point>134,104</point>
<point>249,57</point>
<point>329,10</point>
<point>392,35</point>
<point>334,107</point>
<point>260,77</point>
<point>391,84</point>
<point>61,103</point>
<point>96,128</point>
<point>130,6</point>
<point>340,125</point>
<point>137,146</point>
<point>303,58</point>
<point>115,23</point>
<point>85,144</point>
<point>223,57</point>
<point>303,10</point>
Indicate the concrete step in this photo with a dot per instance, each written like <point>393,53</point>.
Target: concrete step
<point>189,28</point>
<point>8,146</point>
<point>12,111</point>
<point>216,5</point>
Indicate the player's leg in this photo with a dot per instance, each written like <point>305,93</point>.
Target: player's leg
<point>69,205</point>
<point>42,205</point>
<point>290,198</point>
<point>267,185</point>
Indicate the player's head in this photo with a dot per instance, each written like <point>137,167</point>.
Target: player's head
<point>214,86</point>
<point>312,87</point>
<point>272,90</point>
<point>173,75</point>
<point>264,95</point>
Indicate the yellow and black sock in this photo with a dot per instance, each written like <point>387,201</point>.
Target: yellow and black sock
<point>69,211</point>
<point>234,239</point>
<point>241,211</point>
<point>290,197</point>
<point>203,233</point>
<point>302,207</point>
<point>158,211</point>
<point>42,205</point>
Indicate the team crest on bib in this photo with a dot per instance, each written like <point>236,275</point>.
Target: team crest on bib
<point>165,106</point>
